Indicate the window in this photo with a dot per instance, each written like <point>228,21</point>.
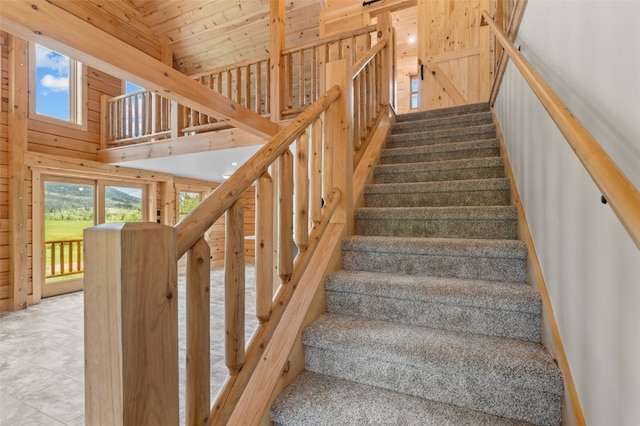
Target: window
<point>414,92</point>
<point>130,87</point>
<point>56,87</point>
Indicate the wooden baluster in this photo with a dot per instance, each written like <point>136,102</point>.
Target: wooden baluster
<point>131,325</point>
<point>229,85</point>
<point>285,243</point>
<point>258,87</point>
<point>131,113</point>
<point>302,192</point>
<point>79,256</point>
<point>105,114</point>
<point>61,257</point>
<point>314,75</point>
<point>327,162</point>
<point>289,74</point>
<point>356,112</point>
<point>121,122</point>
<point>301,100</point>
<point>247,87</point>
<point>316,172</point>
<point>53,259</point>
<point>264,247</point>
<point>267,90</point>
<point>239,85</point>
<point>234,288</point>
<point>198,393</point>
<point>70,256</point>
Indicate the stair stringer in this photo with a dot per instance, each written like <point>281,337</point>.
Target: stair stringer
<point>362,175</point>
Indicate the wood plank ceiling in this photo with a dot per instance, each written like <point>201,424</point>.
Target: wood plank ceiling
<point>207,34</point>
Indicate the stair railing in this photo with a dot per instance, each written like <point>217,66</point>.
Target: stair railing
<point>616,188</point>
<point>131,335</point>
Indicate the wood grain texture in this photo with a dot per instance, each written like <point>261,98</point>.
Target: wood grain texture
<point>197,392</point>
<point>54,27</point>
<point>264,247</point>
<point>131,325</point>
<point>17,172</point>
<point>234,295</point>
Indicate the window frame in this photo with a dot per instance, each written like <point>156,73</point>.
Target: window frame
<point>78,89</point>
<point>413,77</point>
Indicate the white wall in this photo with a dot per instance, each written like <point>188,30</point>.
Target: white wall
<point>589,52</point>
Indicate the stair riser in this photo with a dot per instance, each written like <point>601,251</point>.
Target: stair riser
<point>470,319</point>
<point>407,140</point>
<point>441,113</point>
<point>439,156</point>
<point>478,268</point>
<point>441,123</point>
<point>499,197</point>
<point>440,228</point>
<point>448,383</point>
<point>440,175</point>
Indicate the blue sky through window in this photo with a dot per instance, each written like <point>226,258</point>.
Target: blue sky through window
<point>52,84</point>
<point>132,87</point>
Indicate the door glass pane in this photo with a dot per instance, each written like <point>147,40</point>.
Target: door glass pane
<point>68,209</point>
<point>122,204</point>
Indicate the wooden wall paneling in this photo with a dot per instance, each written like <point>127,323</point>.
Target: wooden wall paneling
<point>4,168</point>
<point>18,210</point>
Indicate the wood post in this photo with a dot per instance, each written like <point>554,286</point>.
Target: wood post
<point>285,227</point>
<point>301,215</point>
<point>17,146</point>
<point>339,131</point>
<point>198,392</point>
<point>385,32</point>
<point>131,325</point>
<point>277,30</point>
<point>264,247</point>
<point>234,288</point>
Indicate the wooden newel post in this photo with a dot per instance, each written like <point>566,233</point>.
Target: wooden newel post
<point>131,325</point>
<point>385,32</point>
<point>339,133</point>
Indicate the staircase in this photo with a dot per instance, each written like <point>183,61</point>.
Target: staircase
<point>431,321</point>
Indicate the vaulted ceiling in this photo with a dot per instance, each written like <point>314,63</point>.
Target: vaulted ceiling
<point>206,34</point>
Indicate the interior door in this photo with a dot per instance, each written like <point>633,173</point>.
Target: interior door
<point>454,53</point>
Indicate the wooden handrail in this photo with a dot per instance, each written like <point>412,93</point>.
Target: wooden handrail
<point>211,208</point>
<point>332,39</point>
<point>362,62</point>
<point>617,189</point>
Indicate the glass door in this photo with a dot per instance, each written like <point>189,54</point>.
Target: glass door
<point>69,208</point>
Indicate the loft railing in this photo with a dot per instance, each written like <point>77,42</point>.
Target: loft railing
<point>616,188</point>
<point>146,116</point>
<point>306,199</point>
<point>63,258</point>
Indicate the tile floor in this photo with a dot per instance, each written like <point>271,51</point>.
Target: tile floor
<point>42,355</point>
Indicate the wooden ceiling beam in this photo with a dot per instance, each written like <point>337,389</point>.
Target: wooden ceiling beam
<point>42,22</point>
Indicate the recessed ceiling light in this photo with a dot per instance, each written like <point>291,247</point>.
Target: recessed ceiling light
<point>226,176</point>
<point>234,164</point>
<point>412,39</point>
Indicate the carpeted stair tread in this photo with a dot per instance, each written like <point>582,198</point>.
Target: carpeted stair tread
<point>431,137</point>
<point>496,222</point>
<point>446,122</point>
<point>318,400</point>
<point>438,246</point>
<point>505,377</point>
<point>478,148</point>
<point>443,112</point>
<point>493,260</point>
<point>484,307</point>
<point>471,192</point>
<point>461,169</point>
<point>504,296</point>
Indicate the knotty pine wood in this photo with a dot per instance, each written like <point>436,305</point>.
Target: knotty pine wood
<point>4,177</point>
<point>455,52</point>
